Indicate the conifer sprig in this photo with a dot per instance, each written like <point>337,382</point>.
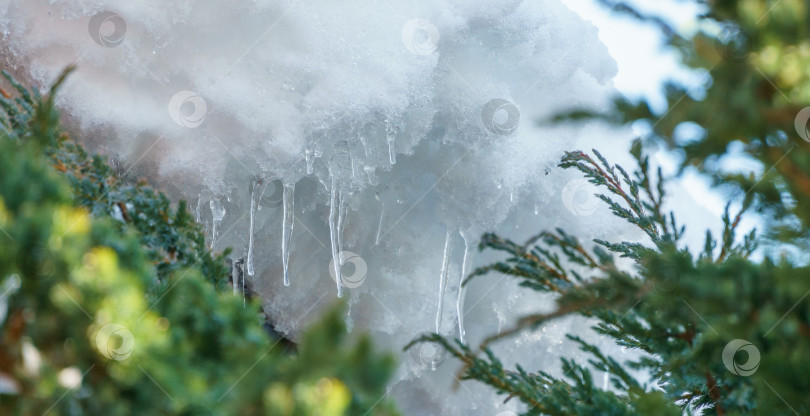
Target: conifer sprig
<point>626,304</point>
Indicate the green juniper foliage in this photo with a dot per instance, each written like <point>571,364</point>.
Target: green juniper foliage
<point>106,316</point>
<point>756,81</point>
<point>170,237</point>
<point>721,332</point>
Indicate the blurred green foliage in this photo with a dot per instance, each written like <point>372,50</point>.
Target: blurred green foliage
<point>753,57</point>
<point>106,316</point>
<point>717,332</point>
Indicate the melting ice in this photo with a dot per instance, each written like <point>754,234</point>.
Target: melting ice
<point>365,137</point>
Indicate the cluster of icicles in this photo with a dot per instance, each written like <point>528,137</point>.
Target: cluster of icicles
<point>337,213</point>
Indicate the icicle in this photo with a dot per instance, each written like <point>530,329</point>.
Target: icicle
<point>349,320</point>
<point>238,277</point>
<point>365,145</point>
<point>392,152</point>
<point>370,176</point>
<point>379,227</point>
<point>310,160</point>
<point>462,291</point>
<point>354,167</point>
<point>448,250</point>
<point>199,203</point>
<point>261,195</point>
<point>333,234</point>
<point>341,217</point>
<point>286,232</point>
<point>390,137</point>
<point>217,214</point>
<point>234,275</point>
<point>250,270</point>
<point>244,297</point>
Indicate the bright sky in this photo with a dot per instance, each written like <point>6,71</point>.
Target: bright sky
<point>643,66</point>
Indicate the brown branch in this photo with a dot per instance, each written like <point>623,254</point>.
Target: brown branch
<point>123,208</point>
<point>620,191</point>
<point>534,320</point>
<point>732,227</point>
<point>714,393</point>
<point>615,184</point>
<point>578,248</point>
<point>499,384</point>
